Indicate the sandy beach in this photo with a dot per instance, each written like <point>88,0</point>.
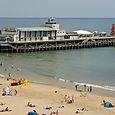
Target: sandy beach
<point>48,98</point>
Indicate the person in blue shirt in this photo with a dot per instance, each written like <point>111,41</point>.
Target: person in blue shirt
<point>107,104</point>
<point>33,113</point>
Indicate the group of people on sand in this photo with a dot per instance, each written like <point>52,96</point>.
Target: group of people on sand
<point>15,82</point>
<point>36,113</point>
<point>86,88</point>
<point>69,99</point>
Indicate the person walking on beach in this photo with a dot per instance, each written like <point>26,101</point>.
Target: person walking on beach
<point>90,89</point>
<point>72,98</point>
<point>65,98</point>
<point>56,112</point>
<point>9,75</point>
<point>76,87</point>
<point>84,87</point>
<point>1,64</point>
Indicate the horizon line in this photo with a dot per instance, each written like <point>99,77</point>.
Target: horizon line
<point>49,17</point>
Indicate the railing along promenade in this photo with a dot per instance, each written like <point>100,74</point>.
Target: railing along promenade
<point>33,46</point>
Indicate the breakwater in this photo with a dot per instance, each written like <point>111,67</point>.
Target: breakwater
<point>20,47</point>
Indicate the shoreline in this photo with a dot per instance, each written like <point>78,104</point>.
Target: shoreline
<point>59,82</point>
<point>96,89</point>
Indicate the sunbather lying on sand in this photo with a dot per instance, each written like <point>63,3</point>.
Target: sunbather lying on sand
<point>1,103</point>
<point>48,108</point>
<point>30,105</point>
<point>80,110</point>
<point>54,112</point>
<point>6,109</point>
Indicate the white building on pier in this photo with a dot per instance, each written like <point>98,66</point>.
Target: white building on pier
<point>50,31</point>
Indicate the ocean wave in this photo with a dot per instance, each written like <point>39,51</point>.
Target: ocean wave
<point>2,76</point>
<point>111,88</point>
<point>64,80</point>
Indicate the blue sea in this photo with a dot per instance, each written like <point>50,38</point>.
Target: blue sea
<point>90,66</point>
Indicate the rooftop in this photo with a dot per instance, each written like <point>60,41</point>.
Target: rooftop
<point>35,29</point>
<point>83,32</point>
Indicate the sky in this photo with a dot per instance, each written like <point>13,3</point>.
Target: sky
<point>57,8</point>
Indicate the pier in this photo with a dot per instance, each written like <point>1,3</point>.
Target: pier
<point>50,37</point>
<point>21,47</point>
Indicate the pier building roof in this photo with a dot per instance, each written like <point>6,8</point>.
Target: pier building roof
<point>83,32</point>
<point>35,29</point>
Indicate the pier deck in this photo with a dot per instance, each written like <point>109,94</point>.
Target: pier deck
<point>34,46</point>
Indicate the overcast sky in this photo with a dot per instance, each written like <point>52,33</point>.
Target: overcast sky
<point>57,8</point>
